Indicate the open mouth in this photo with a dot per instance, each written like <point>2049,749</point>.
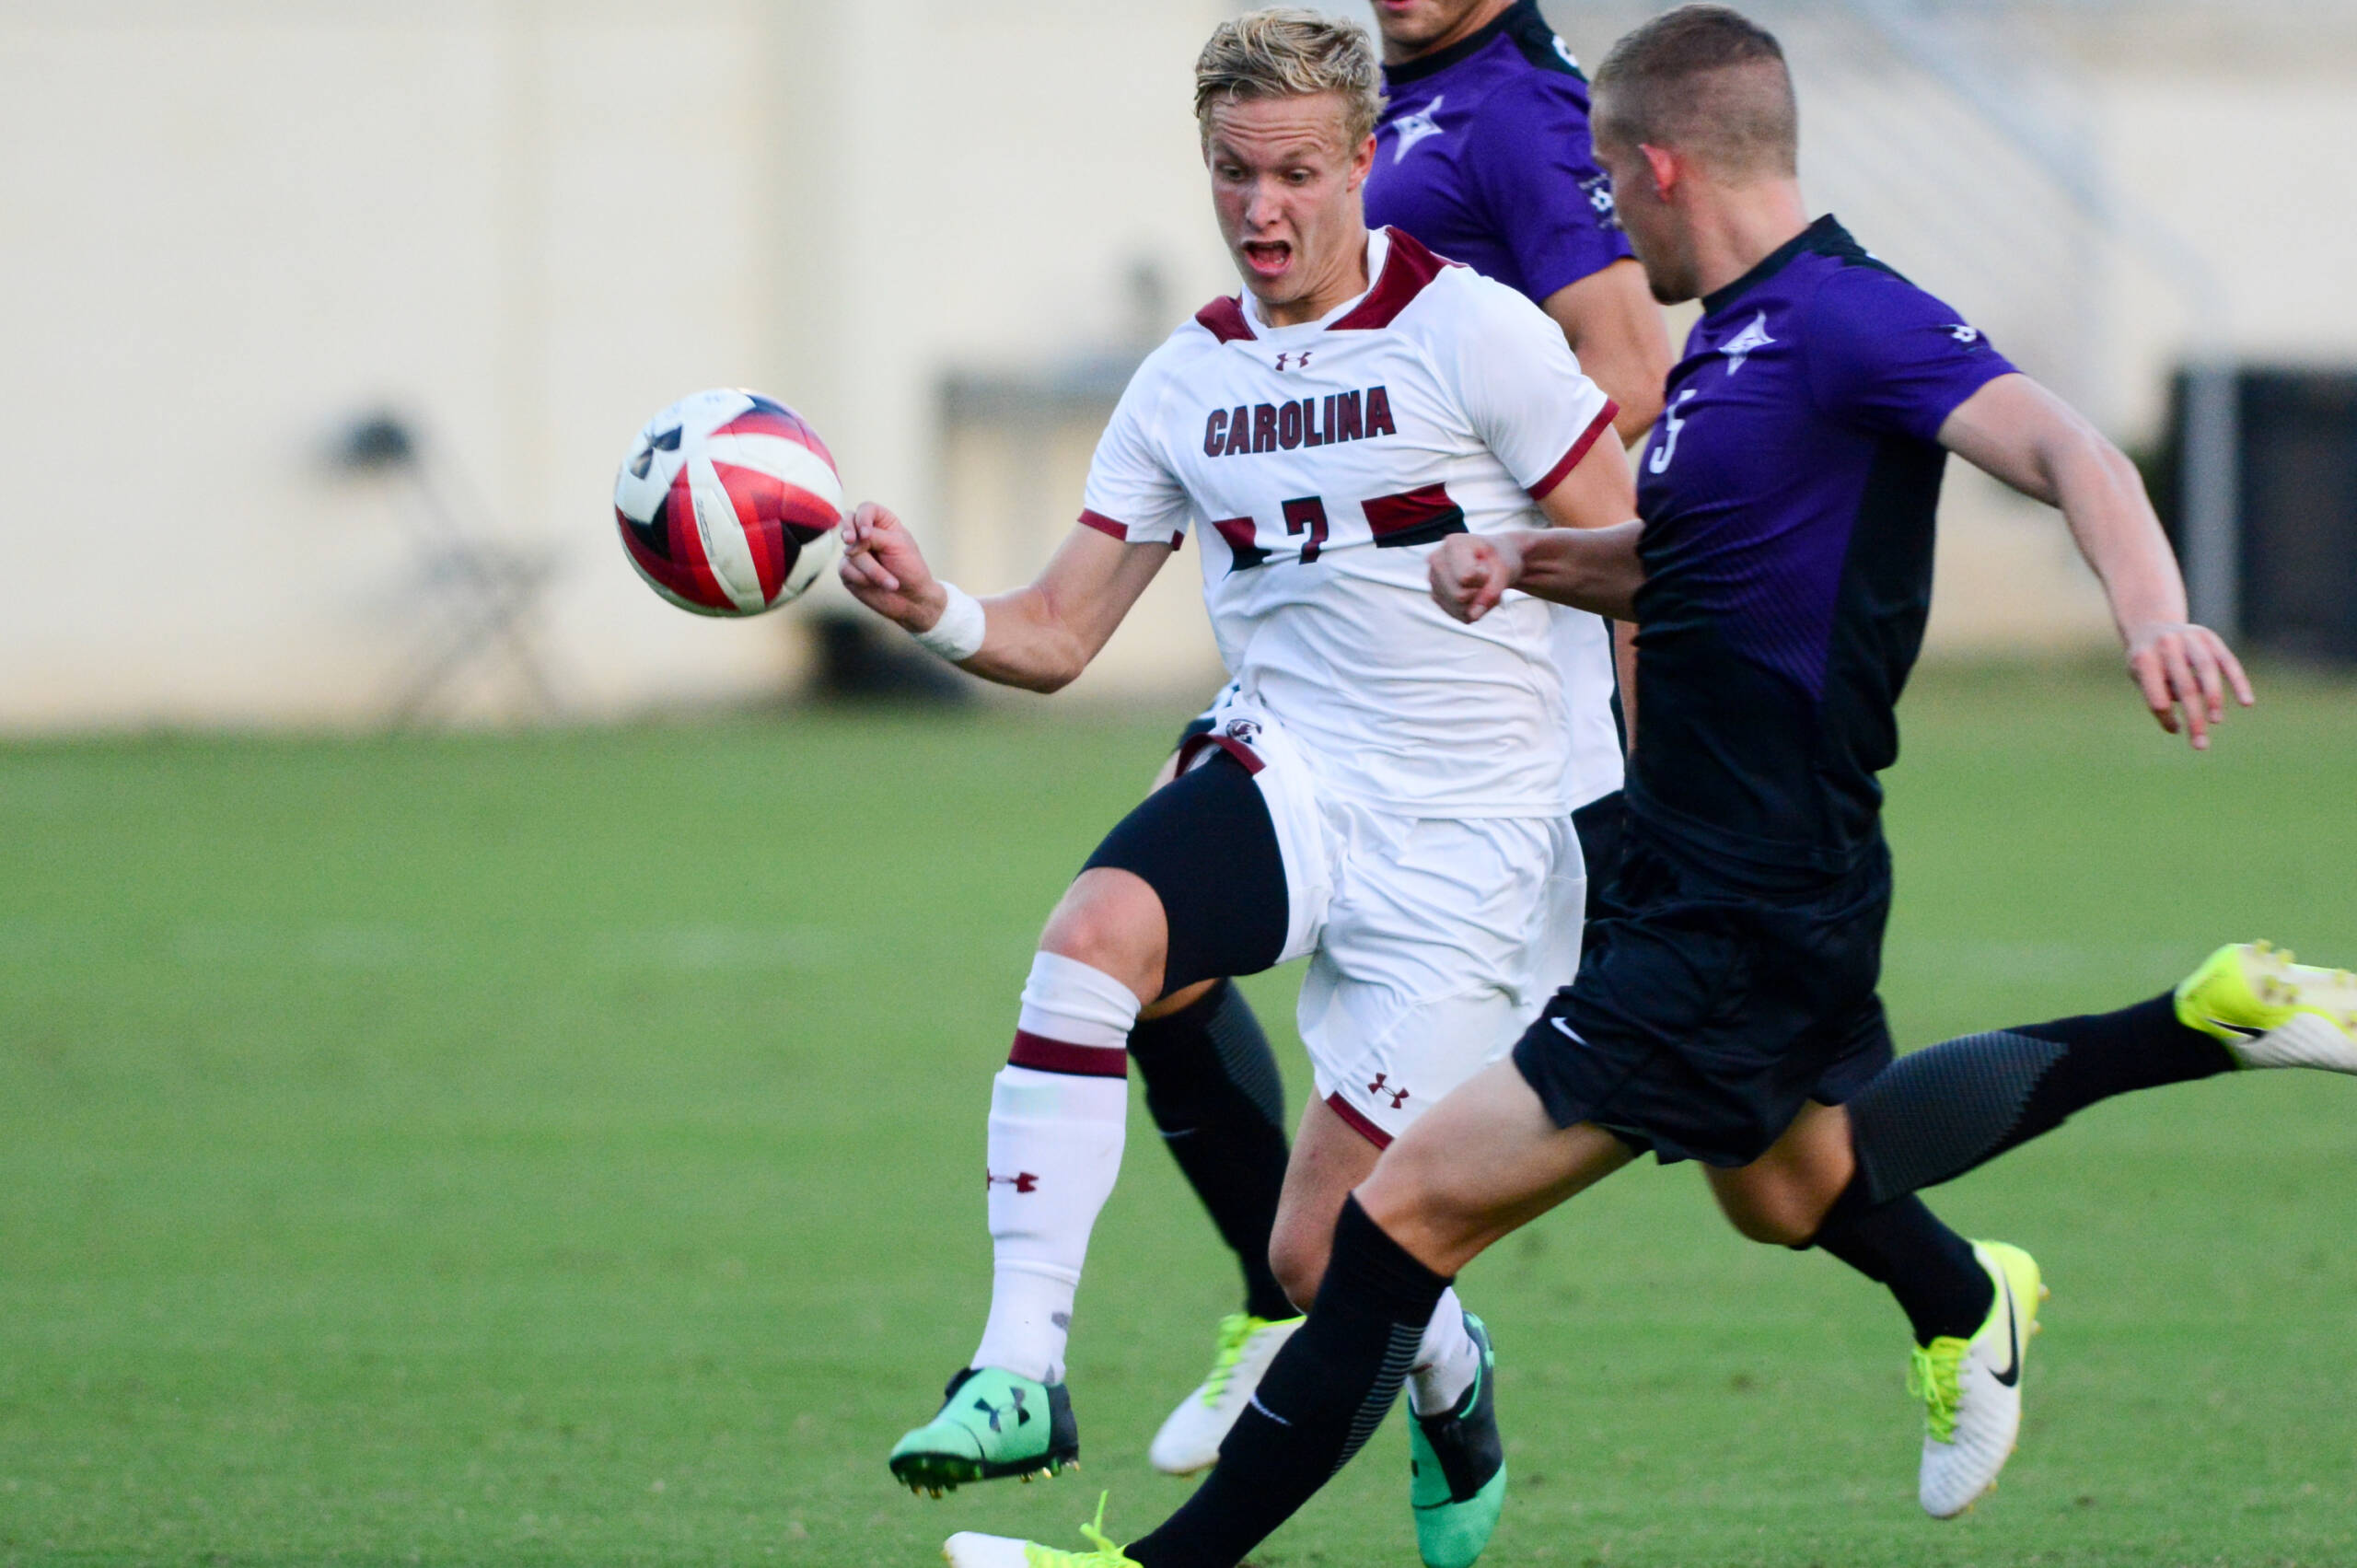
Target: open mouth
<point>1268,258</point>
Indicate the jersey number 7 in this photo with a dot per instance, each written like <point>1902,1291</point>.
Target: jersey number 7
<point>1416,517</point>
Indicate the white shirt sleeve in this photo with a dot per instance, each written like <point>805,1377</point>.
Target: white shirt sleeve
<point>1521,387</point>
<point>1131,493</point>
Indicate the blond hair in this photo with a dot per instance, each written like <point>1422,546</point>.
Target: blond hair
<point>1286,51</point>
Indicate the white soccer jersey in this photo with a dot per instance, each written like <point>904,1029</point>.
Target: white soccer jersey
<point>1311,461</point>
<point>1591,677</point>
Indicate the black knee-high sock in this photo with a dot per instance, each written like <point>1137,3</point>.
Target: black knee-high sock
<point>1932,1115</point>
<point>1940,1284</point>
<point>1211,1088</point>
<point>1321,1398</point>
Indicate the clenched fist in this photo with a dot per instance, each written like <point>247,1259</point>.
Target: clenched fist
<point>1471,571</point>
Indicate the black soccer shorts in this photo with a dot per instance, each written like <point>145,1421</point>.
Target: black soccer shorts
<point>1704,1016</point>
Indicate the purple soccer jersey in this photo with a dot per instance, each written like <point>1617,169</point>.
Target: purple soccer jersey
<point>1788,491</point>
<point>1483,154</point>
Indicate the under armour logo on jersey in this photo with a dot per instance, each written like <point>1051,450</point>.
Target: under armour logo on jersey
<point>1300,361</point>
<point>1022,1181</point>
<point>1413,128</point>
<point>1563,52</point>
<point>1740,347</point>
<point>1965,334</point>
<point>1382,1085</point>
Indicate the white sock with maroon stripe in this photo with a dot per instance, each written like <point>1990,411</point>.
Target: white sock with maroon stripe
<point>1445,1361</point>
<point>1057,1110</point>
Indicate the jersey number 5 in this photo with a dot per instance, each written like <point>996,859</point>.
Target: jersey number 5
<point>1671,425</point>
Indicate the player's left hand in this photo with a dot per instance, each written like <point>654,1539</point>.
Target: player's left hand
<point>2181,666</point>
<point>1471,571</point>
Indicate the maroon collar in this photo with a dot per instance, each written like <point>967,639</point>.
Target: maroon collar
<point>1408,266</point>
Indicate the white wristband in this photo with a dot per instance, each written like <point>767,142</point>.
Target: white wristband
<point>958,635</point>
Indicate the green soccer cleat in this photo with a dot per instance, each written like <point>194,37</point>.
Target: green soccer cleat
<point>1457,1469</point>
<point>967,1549</point>
<point>2270,1011</point>
<point>992,1423</point>
<point>1972,1389</point>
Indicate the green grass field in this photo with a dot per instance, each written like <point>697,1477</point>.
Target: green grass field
<point>562,1149</point>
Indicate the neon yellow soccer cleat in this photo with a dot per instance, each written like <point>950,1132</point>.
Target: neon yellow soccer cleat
<point>966,1550</point>
<point>2271,1012</point>
<point>1191,1437</point>
<point>1972,1389</point>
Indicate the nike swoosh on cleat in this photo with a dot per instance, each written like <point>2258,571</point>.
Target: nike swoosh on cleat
<point>2235,1029</point>
<point>2013,1374</point>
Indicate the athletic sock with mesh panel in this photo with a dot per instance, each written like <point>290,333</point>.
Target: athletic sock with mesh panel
<point>1938,1113</point>
<point>1930,1268</point>
<point>1321,1398</point>
<point>1211,1088</point>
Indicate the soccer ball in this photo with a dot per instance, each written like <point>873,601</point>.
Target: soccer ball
<point>728,504</point>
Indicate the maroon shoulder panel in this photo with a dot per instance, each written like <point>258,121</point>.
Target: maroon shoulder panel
<point>1571,459</point>
<point>1406,270</point>
<point>1223,318</point>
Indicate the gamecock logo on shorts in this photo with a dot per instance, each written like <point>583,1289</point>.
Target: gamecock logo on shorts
<point>1245,730</point>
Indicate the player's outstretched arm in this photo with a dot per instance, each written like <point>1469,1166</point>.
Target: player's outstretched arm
<point>1591,569</point>
<point>2023,435</point>
<point>1588,560</point>
<point>1038,637</point>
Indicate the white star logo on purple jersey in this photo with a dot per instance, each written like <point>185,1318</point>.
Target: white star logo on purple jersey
<point>1414,127</point>
<point>1739,347</point>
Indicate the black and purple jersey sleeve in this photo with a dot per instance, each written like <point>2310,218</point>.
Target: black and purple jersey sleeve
<point>1883,355</point>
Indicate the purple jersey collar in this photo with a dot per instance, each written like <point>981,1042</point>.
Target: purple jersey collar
<point>1522,19</point>
<point>1825,236</point>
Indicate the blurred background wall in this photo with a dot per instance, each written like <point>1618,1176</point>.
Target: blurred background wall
<point>234,232</point>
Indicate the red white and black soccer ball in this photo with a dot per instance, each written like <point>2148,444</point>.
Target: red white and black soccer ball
<point>728,504</point>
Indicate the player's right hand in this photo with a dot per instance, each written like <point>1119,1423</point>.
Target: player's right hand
<point>885,571</point>
<point>2181,668</point>
<point>1470,573</point>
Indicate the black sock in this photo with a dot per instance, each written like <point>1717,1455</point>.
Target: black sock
<point>1211,1088</point>
<point>1940,1284</point>
<point>1932,1115</point>
<point>1323,1397</point>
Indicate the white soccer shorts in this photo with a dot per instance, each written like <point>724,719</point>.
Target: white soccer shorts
<point>1432,943</point>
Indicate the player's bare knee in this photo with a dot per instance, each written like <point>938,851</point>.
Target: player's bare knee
<point>1298,1256</point>
<point>1112,921</point>
<point>1763,1208</point>
<point>1418,1199</point>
